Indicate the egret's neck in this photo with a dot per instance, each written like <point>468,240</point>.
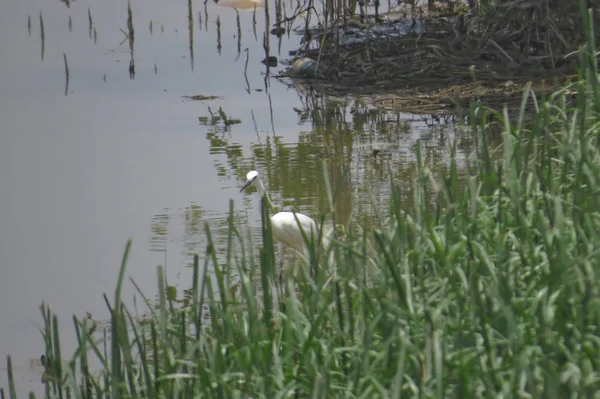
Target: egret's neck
<point>262,193</point>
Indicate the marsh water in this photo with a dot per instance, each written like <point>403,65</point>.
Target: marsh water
<point>116,148</point>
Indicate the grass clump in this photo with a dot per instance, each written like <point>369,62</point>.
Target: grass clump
<point>482,285</point>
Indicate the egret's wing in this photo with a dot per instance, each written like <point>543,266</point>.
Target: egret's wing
<point>287,230</point>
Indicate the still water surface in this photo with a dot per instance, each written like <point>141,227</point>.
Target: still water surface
<point>125,154</point>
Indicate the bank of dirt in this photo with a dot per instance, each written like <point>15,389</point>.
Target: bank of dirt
<point>430,62</point>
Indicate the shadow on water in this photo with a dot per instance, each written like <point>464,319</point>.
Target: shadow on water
<point>115,149</point>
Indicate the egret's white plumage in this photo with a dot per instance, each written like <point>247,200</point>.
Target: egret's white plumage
<point>286,229</point>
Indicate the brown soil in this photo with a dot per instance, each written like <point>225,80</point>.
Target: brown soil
<point>457,58</point>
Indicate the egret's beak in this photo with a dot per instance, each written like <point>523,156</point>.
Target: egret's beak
<point>248,182</point>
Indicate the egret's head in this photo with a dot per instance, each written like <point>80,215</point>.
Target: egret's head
<point>251,179</point>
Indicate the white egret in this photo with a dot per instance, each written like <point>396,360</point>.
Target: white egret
<point>286,229</point>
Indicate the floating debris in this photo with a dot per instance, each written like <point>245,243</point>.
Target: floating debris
<point>278,31</point>
<point>306,68</point>
<point>270,61</point>
<point>218,117</point>
<point>242,5</point>
<point>201,97</point>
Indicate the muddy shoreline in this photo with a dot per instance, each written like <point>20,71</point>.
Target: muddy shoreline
<point>435,63</point>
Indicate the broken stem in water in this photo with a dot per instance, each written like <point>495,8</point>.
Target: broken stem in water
<point>42,35</point>
<point>67,74</point>
<point>246,70</point>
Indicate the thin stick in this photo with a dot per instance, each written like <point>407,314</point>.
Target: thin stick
<point>67,74</point>
<point>218,34</point>
<point>130,30</point>
<point>246,70</point>
<point>254,23</point>
<point>191,32</point>
<point>239,33</point>
<point>502,51</point>
<point>91,23</point>
<point>42,35</point>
